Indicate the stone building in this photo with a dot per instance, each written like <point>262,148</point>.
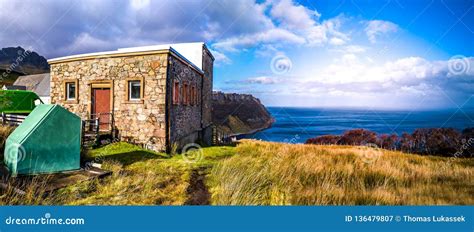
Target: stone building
<point>157,96</point>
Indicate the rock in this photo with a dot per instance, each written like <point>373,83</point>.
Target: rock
<point>239,113</point>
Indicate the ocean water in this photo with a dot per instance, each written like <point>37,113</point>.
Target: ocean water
<point>296,125</point>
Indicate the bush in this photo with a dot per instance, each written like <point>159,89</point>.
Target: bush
<point>406,143</point>
<point>324,139</point>
<point>389,142</point>
<point>467,139</point>
<point>425,141</point>
<point>432,141</point>
<point>358,137</point>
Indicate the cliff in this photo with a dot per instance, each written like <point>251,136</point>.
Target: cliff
<point>24,61</point>
<point>239,113</point>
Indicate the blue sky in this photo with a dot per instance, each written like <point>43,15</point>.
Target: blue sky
<point>373,54</point>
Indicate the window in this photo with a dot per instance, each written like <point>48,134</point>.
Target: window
<point>197,97</point>
<point>71,91</point>
<point>188,95</point>
<point>176,93</point>
<point>185,94</point>
<point>134,90</point>
<point>193,95</point>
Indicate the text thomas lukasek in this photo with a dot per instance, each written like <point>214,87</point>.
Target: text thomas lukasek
<point>408,218</point>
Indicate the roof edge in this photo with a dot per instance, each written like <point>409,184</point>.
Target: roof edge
<point>107,54</point>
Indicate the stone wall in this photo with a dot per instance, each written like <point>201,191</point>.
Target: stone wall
<point>208,67</point>
<point>186,124</point>
<point>140,122</point>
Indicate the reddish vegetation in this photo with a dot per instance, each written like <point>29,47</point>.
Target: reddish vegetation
<point>426,141</point>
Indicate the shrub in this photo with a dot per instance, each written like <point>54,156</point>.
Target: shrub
<point>390,142</point>
<point>441,141</point>
<point>324,139</point>
<point>426,141</point>
<point>358,137</point>
<point>468,142</point>
<point>406,143</point>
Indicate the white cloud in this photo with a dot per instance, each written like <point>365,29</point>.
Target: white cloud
<point>265,80</point>
<point>402,83</point>
<point>274,35</point>
<point>355,49</point>
<point>336,41</point>
<point>53,27</point>
<point>377,28</point>
<point>221,58</point>
<point>294,16</point>
<point>140,4</point>
<point>57,28</point>
<point>291,24</point>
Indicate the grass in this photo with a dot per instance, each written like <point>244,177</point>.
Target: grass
<point>264,173</point>
<point>140,177</point>
<point>5,131</point>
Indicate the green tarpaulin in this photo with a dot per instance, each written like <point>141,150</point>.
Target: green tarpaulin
<point>49,140</point>
<point>18,101</point>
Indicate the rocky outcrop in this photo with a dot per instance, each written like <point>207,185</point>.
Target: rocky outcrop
<point>239,113</point>
<point>24,61</point>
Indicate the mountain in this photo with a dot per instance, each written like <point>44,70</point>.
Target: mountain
<point>23,61</point>
<point>239,113</point>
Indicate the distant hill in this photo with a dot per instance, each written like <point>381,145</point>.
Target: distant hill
<point>239,113</point>
<point>23,61</point>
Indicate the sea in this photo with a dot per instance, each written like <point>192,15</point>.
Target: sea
<point>296,125</point>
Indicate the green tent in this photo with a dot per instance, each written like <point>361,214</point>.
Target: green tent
<point>17,101</point>
<point>49,140</point>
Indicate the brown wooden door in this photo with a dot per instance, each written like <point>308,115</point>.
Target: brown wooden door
<point>101,107</point>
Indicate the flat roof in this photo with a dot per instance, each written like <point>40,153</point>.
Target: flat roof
<point>190,52</point>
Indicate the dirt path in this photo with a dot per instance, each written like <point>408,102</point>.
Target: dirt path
<point>197,191</point>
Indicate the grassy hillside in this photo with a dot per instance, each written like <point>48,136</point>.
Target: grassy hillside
<point>265,173</point>
<point>262,173</point>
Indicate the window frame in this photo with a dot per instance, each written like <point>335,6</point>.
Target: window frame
<point>186,93</point>
<point>128,92</point>
<point>67,84</point>
<point>193,93</point>
<point>176,93</point>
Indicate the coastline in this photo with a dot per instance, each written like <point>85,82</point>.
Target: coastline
<point>254,131</point>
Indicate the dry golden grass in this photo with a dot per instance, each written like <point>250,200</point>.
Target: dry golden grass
<point>5,131</point>
<point>263,173</point>
<point>25,192</point>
